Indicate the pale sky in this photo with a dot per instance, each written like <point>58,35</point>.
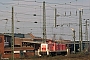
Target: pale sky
<point>24,10</point>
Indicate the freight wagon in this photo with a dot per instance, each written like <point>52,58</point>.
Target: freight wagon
<point>52,49</point>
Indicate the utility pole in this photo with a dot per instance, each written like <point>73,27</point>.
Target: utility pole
<point>12,47</point>
<point>44,23</point>
<point>80,31</point>
<point>55,17</point>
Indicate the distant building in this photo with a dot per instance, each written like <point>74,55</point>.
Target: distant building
<point>19,49</point>
<point>63,41</point>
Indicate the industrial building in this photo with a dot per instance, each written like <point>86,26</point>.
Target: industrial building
<point>26,45</point>
<point>22,46</point>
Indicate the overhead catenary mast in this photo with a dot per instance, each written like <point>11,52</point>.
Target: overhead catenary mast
<point>55,17</point>
<point>44,23</point>
<point>80,31</point>
<point>86,34</point>
<point>12,46</point>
